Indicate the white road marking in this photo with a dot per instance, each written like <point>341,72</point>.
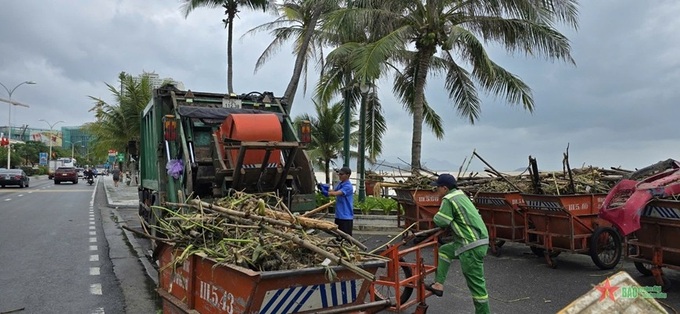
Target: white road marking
<point>8,199</point>
<point>92,222</point>
<point>93,240</point>
<point>92,228</point>
<point>94,271</point>
<point>93,233</point>
<point>99,310</point>
<point>94,258</point>
<point>93,247</point>
<point>91,218</point>
<point>96,288</point>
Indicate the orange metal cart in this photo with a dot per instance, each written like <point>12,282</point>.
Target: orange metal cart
<point>200,285</point>
<point>503,217</point>
<point>655,244</point>
<point>417,206</point>
<point>570,223</point>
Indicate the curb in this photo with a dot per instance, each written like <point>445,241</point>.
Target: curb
<point>151,271</point>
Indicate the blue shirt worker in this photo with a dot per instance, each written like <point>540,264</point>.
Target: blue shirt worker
<point>469,245</point>
<point>344,201</point>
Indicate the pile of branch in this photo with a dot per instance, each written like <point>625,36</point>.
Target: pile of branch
<point>248,231</point>
<point>586,180</point>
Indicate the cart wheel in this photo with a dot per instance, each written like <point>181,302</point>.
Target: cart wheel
<point>540,252</point>
<point>383,292</point>
<point>496,247</point>
<point>605,247</point>
<point>644,268</point>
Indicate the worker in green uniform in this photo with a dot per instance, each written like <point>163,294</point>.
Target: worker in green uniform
<point>469,245</point>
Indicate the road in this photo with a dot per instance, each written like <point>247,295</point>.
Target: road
<point>54,252</point>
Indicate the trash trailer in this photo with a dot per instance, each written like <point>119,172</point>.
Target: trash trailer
<point>570,223</point>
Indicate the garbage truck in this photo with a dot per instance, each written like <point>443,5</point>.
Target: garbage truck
<point>208,145</point>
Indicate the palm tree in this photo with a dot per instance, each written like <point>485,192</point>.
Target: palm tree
<point>117,124</point>
<point>231,11</point>
<point>299,21</point>
<point>457,30</point>
<point>327,134</point>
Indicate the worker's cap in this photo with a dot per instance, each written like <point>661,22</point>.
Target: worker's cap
<point>344,170</point>
<point>446,180</point>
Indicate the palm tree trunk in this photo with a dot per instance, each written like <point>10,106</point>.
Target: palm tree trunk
<point>424,56</point>
<point>289,95</point>
<point>230,63</point>
<point>326,170</point>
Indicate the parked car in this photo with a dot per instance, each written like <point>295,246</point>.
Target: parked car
<point>66,174</point>
<point>13,177</point>
<point>81,172</point>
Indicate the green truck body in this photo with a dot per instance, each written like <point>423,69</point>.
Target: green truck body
<point>189,129</point>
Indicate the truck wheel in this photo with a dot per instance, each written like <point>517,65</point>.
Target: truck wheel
<point>605,247</point>
<point>383,292</point>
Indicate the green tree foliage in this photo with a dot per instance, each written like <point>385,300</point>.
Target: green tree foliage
<point>447,37</point>
<point>117,124</point>
<point>327,135</point>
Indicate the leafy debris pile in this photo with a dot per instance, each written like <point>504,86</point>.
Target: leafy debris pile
<point>247,231</point>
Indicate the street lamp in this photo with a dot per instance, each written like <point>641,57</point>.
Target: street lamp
<point>49,157</point>
<point>9,119</point>
<point>362,142</point>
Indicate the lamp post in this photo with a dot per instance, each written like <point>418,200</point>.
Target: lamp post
<point>49,157</point>
<point>362,142</point>
<point>345,144</point>
<point>9,118</point>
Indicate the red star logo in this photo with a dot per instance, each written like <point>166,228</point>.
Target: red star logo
<point>607,290</point>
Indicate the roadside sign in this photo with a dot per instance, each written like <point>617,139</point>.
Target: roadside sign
<point>121,157</point>
<point>43,159</point>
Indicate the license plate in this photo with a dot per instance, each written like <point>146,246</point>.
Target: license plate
<point>64,174</point>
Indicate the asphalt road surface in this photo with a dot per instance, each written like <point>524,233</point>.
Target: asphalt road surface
<point>53,253</point>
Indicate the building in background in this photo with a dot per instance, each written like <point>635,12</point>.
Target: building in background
<point>156,81</point>
<point>63,137</point>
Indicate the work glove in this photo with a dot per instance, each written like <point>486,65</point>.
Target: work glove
<point>323,188</point>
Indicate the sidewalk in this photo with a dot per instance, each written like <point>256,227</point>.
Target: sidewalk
<point>123,196</point>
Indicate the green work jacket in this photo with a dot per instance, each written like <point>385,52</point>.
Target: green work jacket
<point>458,213</point>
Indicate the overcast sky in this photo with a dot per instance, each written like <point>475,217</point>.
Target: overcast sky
<point>617,107</point>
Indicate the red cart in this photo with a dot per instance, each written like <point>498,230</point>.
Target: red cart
<point>570,223</point>
<point>655,244</point>
<point>417,206</point>
<point>503,218</point>
<point>200,285</point>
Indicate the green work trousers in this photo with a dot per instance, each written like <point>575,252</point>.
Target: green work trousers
<point>472,265</point>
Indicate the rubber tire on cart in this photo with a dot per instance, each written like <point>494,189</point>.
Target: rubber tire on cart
<point>405,293</point>
<point>496,246</point>
<point>613,243</point>
<point>644,268</point>
<point>540,252</point>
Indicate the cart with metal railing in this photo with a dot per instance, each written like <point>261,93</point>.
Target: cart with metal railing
<point>570,223</point>
<point>417,206</point>
<point>502,216</point>
<point>201,285</point>
<point>656,243</point>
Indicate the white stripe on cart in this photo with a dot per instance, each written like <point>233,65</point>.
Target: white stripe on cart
<point>304,298</point>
